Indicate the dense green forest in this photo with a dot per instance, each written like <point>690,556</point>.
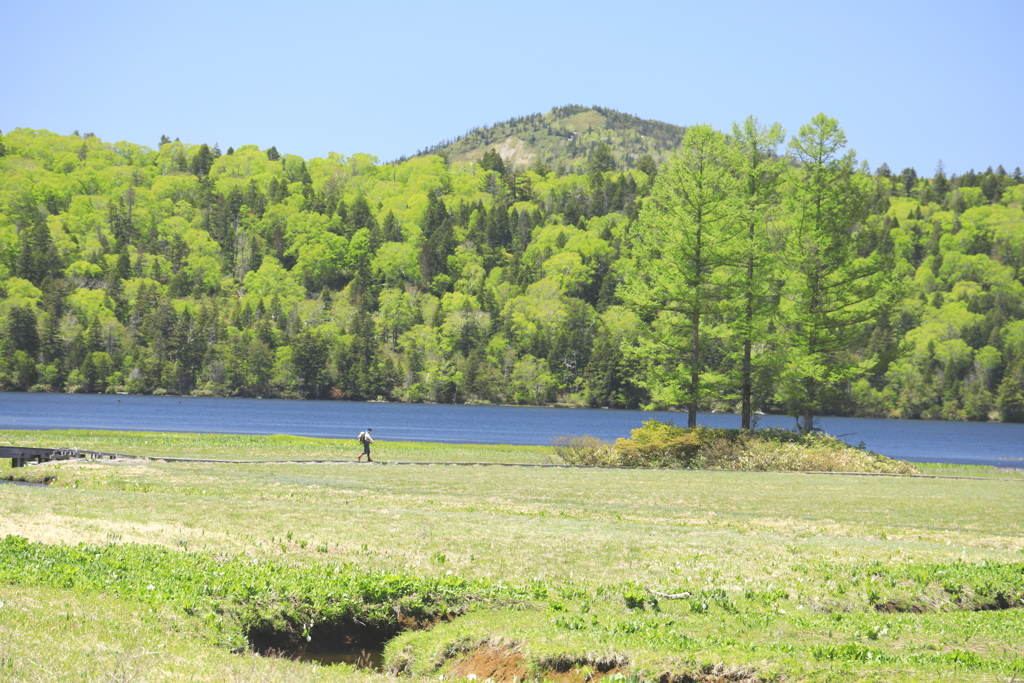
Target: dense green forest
<point>481,279</point>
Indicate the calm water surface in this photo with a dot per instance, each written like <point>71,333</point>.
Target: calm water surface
<point>1000,445</point>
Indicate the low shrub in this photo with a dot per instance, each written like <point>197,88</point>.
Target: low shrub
<point>663,444</point>
<point>659,444</point>
<point>655,444</point>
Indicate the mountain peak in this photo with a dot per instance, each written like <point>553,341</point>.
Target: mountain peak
<point>564,139</point>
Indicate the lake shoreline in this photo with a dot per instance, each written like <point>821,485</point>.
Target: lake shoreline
<point>554,406</point>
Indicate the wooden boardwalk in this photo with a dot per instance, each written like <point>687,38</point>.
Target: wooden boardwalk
<point>20,455</point>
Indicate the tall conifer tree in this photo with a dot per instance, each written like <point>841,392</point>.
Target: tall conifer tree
<point>759,170</point>
<point>830,290</point>
<point>686,246</point>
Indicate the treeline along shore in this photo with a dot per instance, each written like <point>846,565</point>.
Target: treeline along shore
<point>575,273</point>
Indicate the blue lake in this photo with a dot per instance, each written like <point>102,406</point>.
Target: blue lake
<point>1000,445</point>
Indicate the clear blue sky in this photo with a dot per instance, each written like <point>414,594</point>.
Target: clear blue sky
<point>910,82</point>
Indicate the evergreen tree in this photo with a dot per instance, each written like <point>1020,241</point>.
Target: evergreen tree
<point>647,164</point>
<point>37,255</point>
<point>23,330</point>
<point>435,216</point>
<point>359,362</point>
<point>202,162</point>
<point>498,231</point>
<point>392,229</point>
<point>436,251</point>
<point>571,346</point>
<point>940,184</point>
<point>311,352</point>
<point>1010,396</point>
<point>601,161</point>
<point>908,178</point>
<point>492,161</point>
<point>360,216</point>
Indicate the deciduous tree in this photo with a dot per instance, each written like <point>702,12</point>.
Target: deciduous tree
<point>759,169</point>
<point>831,290</point>
<point>686,246</point>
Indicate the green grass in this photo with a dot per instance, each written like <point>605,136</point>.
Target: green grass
<point>53,634</point>
<point>786,571</point>
<point>277,447</point>
<point>1012,470</point>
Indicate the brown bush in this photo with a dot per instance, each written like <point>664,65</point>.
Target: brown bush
<point>824,455</point>
<point>585,450</point>
<point>720,454</point>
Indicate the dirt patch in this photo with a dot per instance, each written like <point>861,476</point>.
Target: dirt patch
<point>515,152</point>
<point>504,664</point>
<point>499,664</point>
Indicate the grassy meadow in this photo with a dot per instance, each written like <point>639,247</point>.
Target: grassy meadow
<point>171,571</point>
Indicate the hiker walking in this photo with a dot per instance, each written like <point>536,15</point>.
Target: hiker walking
<point>365,438</point>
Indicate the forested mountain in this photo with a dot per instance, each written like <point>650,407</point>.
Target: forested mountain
<point>181,269</point>
<point>564,139</point>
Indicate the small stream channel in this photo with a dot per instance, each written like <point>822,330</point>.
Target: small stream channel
<point>343,642</point>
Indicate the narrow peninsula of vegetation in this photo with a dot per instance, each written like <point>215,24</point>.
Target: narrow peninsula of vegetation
<point>550,259</point>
